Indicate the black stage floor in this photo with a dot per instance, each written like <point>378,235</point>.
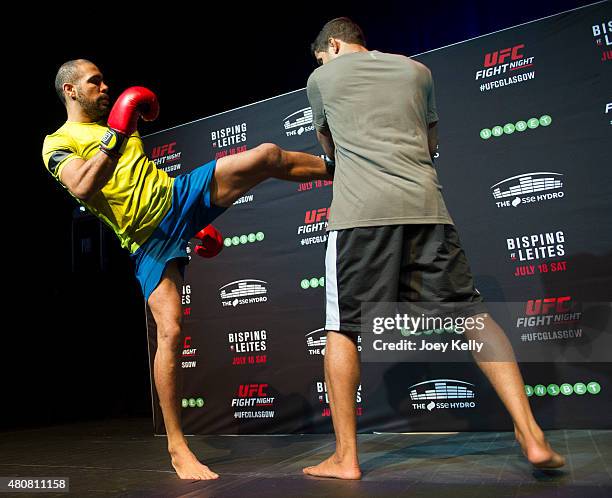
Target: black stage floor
<point>122,458</point>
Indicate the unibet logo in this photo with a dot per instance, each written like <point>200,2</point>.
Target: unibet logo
<point>578,388</point>
<point>312,283</point>
<point>593,387</point>
<point>192,402</point>
<point>237,240</point>
<point>510,128</point>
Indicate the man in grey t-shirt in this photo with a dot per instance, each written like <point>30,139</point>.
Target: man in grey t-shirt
<point>379,109</point>
<point>391,238</point>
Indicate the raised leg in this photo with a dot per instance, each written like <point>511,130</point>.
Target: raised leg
<point>237,174</point>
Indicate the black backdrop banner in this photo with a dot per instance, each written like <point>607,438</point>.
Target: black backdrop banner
<point>524,161</point>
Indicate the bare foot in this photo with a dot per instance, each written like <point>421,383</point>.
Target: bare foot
<point>538,451</point>
<point>187,465</point>
<point>333,467</point>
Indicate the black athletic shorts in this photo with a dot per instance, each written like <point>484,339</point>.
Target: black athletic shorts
<point>395,263</point>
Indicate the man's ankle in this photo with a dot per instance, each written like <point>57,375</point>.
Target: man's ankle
<point>530,431</point>
<point>178,446</point>
<point>346,457</point>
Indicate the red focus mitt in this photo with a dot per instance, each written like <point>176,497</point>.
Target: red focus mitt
<point>212,242</point>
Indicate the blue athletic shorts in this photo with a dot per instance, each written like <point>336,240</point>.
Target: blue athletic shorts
<point>191,211</point>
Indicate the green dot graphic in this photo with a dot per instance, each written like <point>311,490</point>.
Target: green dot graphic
<point>520,126</point>
<point>322,281</point>
<point>259,236</point>
<point>528,390</point>
<point>200,402</point>
<point>497,131</point>
<point>594,387</point>
<point>539,390</point>
<point>580,388</point>
<point>314,283</point>
<point>252,237</point>
<point>305,283</point>
<point>236,240</point>
<point>192,403</point>
<point>244,239</point>
<point>566,389</point>
<point>227,242</point>
<point>533,123</point>
<point>509,129</point>
<point>184,403</point>
<point>553,389</point>
<point>485,133</point>
<point>545,120</point>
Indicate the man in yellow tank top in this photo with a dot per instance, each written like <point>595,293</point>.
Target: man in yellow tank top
<point>99,158</point>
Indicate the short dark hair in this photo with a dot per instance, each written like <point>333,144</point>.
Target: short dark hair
<point>342,28</point>
<point>68,73</point>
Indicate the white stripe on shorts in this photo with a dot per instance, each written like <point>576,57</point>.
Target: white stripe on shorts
<point>332,310</point>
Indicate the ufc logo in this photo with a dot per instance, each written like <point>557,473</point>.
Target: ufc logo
<point>162,150</point>
<point>252,390</point>
<point>548,304</point>
<point>499,56</point>
<point>316,215</point>
<point>187,342</point>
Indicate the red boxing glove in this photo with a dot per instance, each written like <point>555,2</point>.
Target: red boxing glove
<point>136,101</point>
<point>212,242</point>
<point>133,103</point>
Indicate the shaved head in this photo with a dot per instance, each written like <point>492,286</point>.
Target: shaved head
<point>81,88</point>
<point>69,72</point>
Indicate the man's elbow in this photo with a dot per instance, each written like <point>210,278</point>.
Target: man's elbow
<point>82,192</point>
<point>77,187</point>
<point>84,196</point>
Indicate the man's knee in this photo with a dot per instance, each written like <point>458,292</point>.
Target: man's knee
<point>169,335</point>
<point>271,155</point>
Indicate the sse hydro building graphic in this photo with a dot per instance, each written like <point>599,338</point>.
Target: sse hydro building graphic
<point>528,188</point>
<point>442,389</point>
<point>238,292</point>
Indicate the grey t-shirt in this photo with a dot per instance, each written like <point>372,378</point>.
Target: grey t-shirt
<point>378,107</point>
